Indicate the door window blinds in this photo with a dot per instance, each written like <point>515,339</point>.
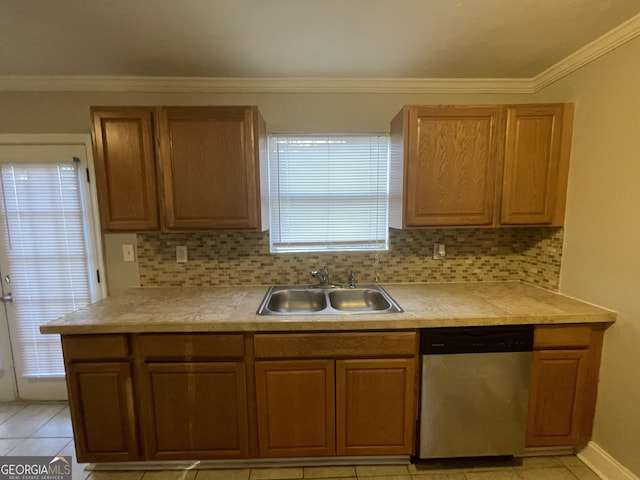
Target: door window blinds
<point>328,193</point>
<point>47,255</point>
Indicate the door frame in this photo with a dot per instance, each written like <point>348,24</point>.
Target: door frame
<point>8,381</point>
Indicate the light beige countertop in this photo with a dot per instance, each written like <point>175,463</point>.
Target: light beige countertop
<point>425,305</point>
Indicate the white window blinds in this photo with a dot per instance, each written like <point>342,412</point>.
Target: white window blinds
<point>329,192</point>
<point>47,256</point>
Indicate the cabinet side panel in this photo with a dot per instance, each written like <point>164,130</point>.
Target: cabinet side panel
<point>396,170</point>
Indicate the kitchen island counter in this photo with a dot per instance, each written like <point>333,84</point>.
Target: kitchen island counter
<point>227,309</point>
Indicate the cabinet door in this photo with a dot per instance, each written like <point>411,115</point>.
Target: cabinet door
<point>375,406</point>
<point>123,141</point>
<point>195,410</point>
<point>102,411</point>
<point>558,380</point>
<point>209,165</point>
<point>532,169</point>
<point>296,408</point>
<point>451,165</point>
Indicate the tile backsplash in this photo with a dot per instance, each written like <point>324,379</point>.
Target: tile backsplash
<point>532,255</point>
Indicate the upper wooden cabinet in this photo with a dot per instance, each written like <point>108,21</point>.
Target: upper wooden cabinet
<point>209,165</point>
<point>450,164</point>
<point>207,161</point>
<point>124,150</point>
<point>536,165</point>
<point>479,165</point>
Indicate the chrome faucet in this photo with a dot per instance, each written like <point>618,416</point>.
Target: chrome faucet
<point>352,279</point>
<point>322,275</point>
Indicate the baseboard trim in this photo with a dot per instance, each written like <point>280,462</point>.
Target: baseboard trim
<point>603,464</point>
<point>250,463</point>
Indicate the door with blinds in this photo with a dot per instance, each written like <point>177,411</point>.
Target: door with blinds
<point>47,260</point>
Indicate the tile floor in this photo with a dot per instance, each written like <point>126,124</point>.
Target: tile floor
<point>43,428</point>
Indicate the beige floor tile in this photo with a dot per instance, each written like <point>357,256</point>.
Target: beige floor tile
<point>8,444</point>
<point>329,472</point>
<point>583,472</point>
<point>170,475</point>
<point>434,470</point>
<point>387,477</point>
<point>116,475</point>
<point>550,473</point>
<point>28,420</point>
<point>439,476</point>
<point>569,460</point>
<point>349,478</point>
<point>381,470</point>
<point>275,473</point>
<point>451,466</point>
<point>505,474</point>
<point>40,446</point>
<point>9,409</point>
<point>58,426</point>
<point>541,462</point>
<point>231,474</point>
<point>78,471</point>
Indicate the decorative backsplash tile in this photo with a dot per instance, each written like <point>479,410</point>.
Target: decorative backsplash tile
<point>473,255</point>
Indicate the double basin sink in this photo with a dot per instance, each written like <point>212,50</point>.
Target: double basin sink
<point>320,300</point>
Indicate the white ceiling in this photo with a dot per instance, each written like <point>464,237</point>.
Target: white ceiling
<point>300,38</point>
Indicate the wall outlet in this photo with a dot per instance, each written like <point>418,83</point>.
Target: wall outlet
<point>128,253</point>
<point>181,254</point>
<point>439,251</point>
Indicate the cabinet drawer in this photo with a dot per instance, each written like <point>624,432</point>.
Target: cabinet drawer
<point>344,345</point>
<point>95,347</point>
<point>562,336</point>
<point>198,346</point>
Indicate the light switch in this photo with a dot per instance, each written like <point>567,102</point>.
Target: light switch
<point>181,254</point>
<point>128,253</point>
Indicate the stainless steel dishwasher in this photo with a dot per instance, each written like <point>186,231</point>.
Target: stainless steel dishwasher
<point>474,391</point>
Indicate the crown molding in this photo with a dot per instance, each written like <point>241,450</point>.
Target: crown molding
<point>262,85</point>
<point>592,51</point>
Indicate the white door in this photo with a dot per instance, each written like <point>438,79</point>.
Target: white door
<point>48,261</point>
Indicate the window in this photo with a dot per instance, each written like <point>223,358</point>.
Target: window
<point>328,193</point>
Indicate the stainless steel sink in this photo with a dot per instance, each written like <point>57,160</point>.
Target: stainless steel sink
<point>297,301</point>
<point>358,299</point>
<point>315,300</point>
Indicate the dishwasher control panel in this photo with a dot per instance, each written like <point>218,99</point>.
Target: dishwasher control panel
<point>434,341</point>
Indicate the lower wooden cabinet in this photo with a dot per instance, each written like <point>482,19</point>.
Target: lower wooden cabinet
<point>336,393</point>
<point>375,406</point>
<point>296,408</point>
<point>101,397</point>
<point>194,410</point>
<point>564,382</point>
<point>102,411</point>
<point>208,396</point>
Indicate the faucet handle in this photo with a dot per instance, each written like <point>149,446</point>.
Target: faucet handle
<point>352,279</point>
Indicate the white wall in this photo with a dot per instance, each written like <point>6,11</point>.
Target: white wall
<point>601,257</point>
